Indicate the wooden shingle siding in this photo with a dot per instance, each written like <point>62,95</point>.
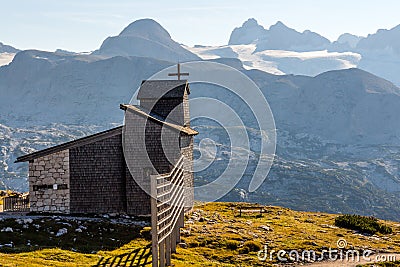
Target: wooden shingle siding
<point>162,147</point>
<point>138,201</point>
<point>150,148</point>
<point>186,114</point>
<point>171,108</point>
<point>97,177</point>
<point>156,89</point>
<point>188,177</point>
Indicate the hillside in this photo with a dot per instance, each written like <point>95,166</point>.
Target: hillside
<point>78,89</point>
<point>214,235</point>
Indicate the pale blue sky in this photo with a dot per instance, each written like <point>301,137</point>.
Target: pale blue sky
<point>81,25</point>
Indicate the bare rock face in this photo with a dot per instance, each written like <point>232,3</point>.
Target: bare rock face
<point>7,49</point>
<point>383,41</point>
<point>248,33</point>
<point>277,37</point>
<point>281,37</point>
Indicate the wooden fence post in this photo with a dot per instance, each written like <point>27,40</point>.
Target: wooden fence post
<point>178,234</point>
<point>162,253</point>
<point>168,250</point>
<point>154,227</point>
<point>182,219</point>
<point>173,239</point>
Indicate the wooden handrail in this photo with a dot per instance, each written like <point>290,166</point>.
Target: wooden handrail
<point>167,207</point>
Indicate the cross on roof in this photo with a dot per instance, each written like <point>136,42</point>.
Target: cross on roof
<point>179,73</point>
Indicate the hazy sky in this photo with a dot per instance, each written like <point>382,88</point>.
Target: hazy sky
<point>82,25</point>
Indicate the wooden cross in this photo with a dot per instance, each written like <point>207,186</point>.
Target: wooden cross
<point>179,73</point>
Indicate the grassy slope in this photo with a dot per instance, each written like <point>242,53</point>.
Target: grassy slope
<point>211,227</point>
<point>290,230</point>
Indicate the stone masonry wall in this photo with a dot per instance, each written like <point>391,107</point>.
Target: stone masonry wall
<point>49,183</point>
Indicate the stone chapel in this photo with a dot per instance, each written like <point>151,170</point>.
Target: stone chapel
<point>99,173</point>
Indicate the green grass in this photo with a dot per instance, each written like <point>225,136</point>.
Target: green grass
<point>216,231</point>
<point>214,234</point>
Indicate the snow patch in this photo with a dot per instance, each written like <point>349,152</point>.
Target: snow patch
<point>6,58</point>
<point>280,62</point>
<point>362,164</point>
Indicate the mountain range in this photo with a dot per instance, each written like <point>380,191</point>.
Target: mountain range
<point>281,37</point>
<point>283,50</point>
<point>278,49</point>
<point>338,133</point>
<point>277,37</point>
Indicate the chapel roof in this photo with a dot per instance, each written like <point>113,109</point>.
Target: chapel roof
<point>156,89</point>
<point>72,144</point>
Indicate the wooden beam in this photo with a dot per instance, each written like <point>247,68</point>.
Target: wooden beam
<point>168,250</point>
<point>162,253</point>
<point>173,239</point>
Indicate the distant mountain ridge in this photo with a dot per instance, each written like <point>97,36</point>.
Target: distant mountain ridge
<point>382,41</point>
<point>277,37</point>
<point>283,50</point>
<point>7,48</point>
<point>281,37</point>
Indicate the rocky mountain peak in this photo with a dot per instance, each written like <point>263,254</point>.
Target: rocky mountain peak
<point>146,28</point>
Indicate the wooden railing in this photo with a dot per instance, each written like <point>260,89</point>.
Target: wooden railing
<point>16,203</point>
<point>167,213</point>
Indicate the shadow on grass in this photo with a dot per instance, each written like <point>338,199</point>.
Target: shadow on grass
<point>138,257</point>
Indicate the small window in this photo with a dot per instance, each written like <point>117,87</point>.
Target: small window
<point>184,141</point>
